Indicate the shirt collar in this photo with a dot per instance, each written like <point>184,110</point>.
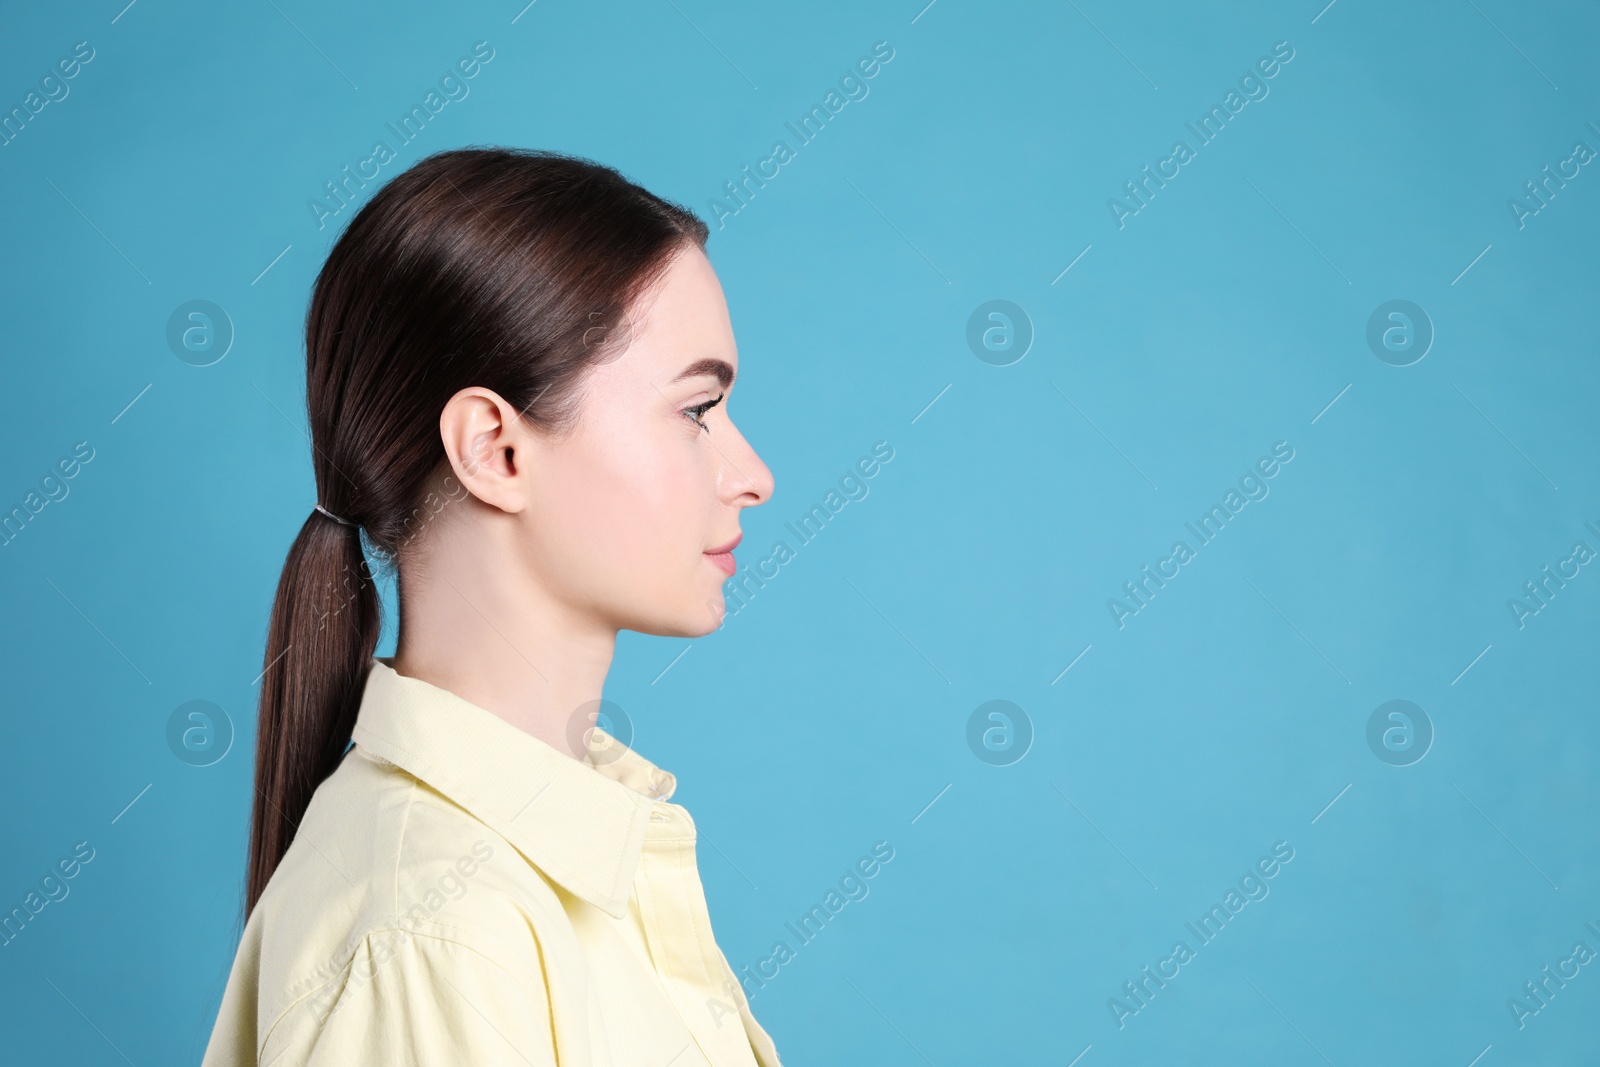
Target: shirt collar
<point>582,823</point>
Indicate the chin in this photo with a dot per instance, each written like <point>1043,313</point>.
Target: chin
<point>692,619</point>
<point>708,618</point>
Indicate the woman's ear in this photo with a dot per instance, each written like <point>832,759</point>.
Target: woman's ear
<point>487,446</point>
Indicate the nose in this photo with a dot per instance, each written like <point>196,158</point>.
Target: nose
<point>745,480</point>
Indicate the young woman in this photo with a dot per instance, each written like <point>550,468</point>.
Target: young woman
<point>518,367</point>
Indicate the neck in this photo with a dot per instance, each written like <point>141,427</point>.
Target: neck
<point>513,651</point>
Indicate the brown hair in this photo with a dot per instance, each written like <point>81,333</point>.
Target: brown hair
<point>503,268</point>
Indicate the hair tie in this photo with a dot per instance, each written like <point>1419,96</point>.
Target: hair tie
<point>334,517</point>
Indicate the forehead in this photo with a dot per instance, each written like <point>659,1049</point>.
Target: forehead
<point>682,321</point>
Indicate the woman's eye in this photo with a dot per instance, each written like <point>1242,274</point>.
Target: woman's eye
<point>697,413</point>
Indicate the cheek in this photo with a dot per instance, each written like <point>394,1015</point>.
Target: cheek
<point>638,498</point>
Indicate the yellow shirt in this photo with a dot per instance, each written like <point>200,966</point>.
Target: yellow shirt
<point>459,892</point>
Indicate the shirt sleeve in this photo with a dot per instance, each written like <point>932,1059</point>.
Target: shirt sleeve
<point>416,1000</point>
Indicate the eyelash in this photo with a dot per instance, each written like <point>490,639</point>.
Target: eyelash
<point>698,411</point>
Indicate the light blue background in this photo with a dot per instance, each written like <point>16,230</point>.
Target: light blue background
<point>1227,315</point>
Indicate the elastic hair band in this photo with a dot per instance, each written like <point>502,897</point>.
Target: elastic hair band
<point>334,517</point>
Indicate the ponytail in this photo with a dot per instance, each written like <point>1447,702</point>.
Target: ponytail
<point>323,631</point>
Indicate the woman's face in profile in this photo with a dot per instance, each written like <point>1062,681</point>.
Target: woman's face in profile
<point>655,474</point>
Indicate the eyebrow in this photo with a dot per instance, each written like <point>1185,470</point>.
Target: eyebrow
<point>720,369</point>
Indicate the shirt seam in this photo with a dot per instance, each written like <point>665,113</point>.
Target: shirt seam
<point>400,844</point>
<point>284,1014</point>
<point>326,972</point>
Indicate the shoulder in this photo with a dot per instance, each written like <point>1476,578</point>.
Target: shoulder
<point>408,998</point>
<point>384,870</point>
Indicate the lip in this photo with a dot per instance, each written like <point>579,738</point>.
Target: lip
<point>722,557</point>
<point>729,547</point>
